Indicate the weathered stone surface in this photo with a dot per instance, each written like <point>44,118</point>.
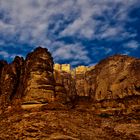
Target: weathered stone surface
<point>10,79</point>
<point>68,125</point>
<point>115,81</point>
<point>2,64</point>
<point>71,82</point>
<point>63,80</point>
<point>38,76</point>
<point>80,80</point>
<point>98,94</point>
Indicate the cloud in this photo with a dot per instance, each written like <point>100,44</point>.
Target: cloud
<point>2,42</point>
<point>31,19</point>
<point>132,45</point>
<point>4,54</point>
<point>44,22</point>
<point>101,19</point>
<point>74,52</point>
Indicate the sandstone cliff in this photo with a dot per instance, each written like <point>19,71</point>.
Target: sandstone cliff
<point>64,87</point>
<point>72,82</point>
<point>57,102</point>
<point>9,80</point>
<point>38,80</point>
<point>29,80</point>
<point>113,83</point>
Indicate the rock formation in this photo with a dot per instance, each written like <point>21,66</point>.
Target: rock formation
<point>2,64</point>
<point>38,77</point>
<point>64,82</point>
<point>113,83</point>
<point>81,83</point>
<point>29,80</point>
<point>43,100</point>
<point>71,81</point>
<point>9,80</point>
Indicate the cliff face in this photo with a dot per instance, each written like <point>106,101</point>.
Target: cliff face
<point>117,78</point>
<point>114,82</point>
<point>68,78</point>
<point>82,86</point>
<point>64,86</point>
<point>38,76</point>
<point>2,64</point>
<point>99,102</point>
<point>29,80</point>
<point>9,80</point>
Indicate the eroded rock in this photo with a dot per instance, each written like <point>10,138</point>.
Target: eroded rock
<point>38,76</point>
<point>10,79</point>
<point>116,81</point>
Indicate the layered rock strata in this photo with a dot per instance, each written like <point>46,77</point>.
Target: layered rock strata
<point>9,80</point>
<point>39,84</point>
<point>30,80</point>
<point>115,82</point>
<point>64,85</point>
<point>73,81</point>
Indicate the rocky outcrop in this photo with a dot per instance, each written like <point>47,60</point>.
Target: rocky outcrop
<point>64,83</point>
<point>10,79</point>
<point>38,80</point>
<point>2,64</point>
<point>81,83</point>
<point>29,80</point>
<point>71,82</point>
<point>115,81</point>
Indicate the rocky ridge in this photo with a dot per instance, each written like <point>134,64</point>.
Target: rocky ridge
<point>29,80</point>
<point>116,82</point>
<point>38,76</point>
<point>113,83</point>
<point>40,100</point>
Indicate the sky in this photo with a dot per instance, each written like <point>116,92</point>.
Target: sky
<point>79,32</point>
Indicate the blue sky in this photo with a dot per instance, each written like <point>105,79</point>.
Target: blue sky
<point>79,32</point>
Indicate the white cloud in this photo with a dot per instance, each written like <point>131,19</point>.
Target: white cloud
<point>74,52</point>
<point>4,54</point>
<point>86,24</point>
<point>111,32</point>
<point>29,22</point>
<point>132,45</point>
<point>31,18</point>
<point>7,55</point>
